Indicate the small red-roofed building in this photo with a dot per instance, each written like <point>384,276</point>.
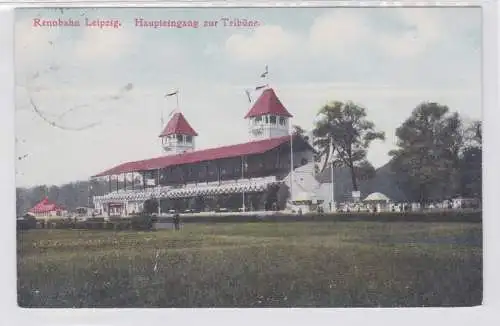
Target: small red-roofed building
<point>46,209</point>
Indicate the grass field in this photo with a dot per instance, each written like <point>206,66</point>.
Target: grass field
<point>302,264</point>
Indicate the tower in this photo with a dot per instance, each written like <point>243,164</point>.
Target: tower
<point>268,118</point>
<point>178,135</point>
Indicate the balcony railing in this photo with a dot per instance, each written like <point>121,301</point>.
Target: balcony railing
<point>188,190</point>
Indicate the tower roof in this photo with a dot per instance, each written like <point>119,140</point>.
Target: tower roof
<point>178,125</point>
<point>268,103</point>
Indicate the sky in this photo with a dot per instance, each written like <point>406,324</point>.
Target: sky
<point>104,87</point>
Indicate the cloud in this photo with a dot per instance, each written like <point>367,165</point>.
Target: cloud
<point>419,31</point>
<point>405,33</point>
<point>35,46</point>
<point>337,33</point>
<point>104,45</point>
<point>340,55</point>
<point>264,43</point>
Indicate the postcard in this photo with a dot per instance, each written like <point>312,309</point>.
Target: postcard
<point>248,157</point>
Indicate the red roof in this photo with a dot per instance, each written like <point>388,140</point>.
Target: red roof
<point>268,103</point>
<point>45,206</point>
<point>178,125</point>
<point>254,147</point>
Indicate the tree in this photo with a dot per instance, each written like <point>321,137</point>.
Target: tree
<point>151,206</point>
<point>351,133</point>
<point>21,200</point>
<point>473,134</point>
<point>471,173</point>
<point>429,143</point>
<point>283,195</point>
<point>40,192</point>
<point>299,131</point>
<point>471,162</point>
<point>199,203</point>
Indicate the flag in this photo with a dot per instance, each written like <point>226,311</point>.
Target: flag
<point>264,74</point>
<point>171,94</point>
<point>260,87</point>
<point>248,95</point>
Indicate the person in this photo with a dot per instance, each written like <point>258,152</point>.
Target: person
<point>176,220</point>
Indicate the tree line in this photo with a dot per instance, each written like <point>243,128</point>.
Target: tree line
<point>438,155</point>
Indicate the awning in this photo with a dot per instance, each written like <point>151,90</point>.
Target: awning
<point>248,186</point>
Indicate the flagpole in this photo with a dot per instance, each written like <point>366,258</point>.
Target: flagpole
<point>90,195</point>
<point>242,177</point>
<point>162,139</point>
<point>177,99</point>
<point>158,185</point>
<point>161,118</point>
<point>332,207</point>
<point>291,162</point>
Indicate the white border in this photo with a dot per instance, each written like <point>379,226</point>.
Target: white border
<point>484,315</point>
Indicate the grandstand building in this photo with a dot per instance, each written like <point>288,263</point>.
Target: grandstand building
<point>240,177</point>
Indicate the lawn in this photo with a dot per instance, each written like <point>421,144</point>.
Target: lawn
<point>301,264</point>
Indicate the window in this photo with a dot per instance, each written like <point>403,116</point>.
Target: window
<point>189,139</point>
<point>282,121</point>
<point>266,119</point>
<point>273,119</point>
<point>179,138</point>
<point>258,119</point>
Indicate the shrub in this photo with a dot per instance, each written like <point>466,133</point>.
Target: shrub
<point>26,223</point>
<point>64,224</point>
<point>151,206</point>
<point>143,222</point>
<point>445,216</point>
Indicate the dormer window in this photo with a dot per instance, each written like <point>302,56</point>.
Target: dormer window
<point>282,121</point>
<point>189,139</point>
<point>258,119</point>
<point>179,138</point>
<point>272,119</point>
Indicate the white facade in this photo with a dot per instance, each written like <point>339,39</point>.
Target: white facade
<point>324,192</point>
<point>268,126</point>
<point>176,144</point>
<point>49,214</point>
<point>302,181</point>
